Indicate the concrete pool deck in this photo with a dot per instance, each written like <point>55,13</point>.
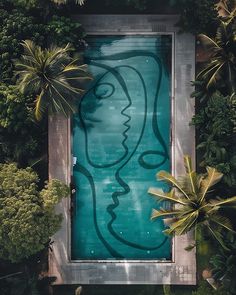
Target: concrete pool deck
<point>182,268</point>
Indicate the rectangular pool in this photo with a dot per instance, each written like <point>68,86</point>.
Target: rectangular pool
<point>121,139</point>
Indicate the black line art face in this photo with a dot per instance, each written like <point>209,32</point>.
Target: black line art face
<point>122,133</point>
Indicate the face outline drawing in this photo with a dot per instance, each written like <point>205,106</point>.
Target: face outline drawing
<point>103,90</point>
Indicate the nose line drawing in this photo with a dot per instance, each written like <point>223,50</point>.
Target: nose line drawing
<point>86,173</point>
<point>116,195</point>
<point>156,130</point>
<point>117,75</point>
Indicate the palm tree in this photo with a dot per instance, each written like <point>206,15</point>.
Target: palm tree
<point>194,205</point>
<point>53,76</point>
<point>222,52</point>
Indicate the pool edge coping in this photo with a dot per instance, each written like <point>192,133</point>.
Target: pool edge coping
<point>182,268</point>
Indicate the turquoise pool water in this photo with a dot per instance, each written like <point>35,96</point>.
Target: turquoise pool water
<point>121,139</point>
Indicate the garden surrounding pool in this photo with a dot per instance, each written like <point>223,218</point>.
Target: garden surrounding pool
<point>121,139</point>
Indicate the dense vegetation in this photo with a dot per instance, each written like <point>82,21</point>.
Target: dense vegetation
<point>216,129</point>
<point>27,217</point>
<point>215,124</point>
<point>198,206</point>
<point>53,76</point>
<point>22,139</point>
<point>14,27</point>
<point>215,96</point>
<point>26,213</point>
<point>195,16</point>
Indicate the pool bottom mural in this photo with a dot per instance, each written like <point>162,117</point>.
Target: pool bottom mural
<point>121,139</point>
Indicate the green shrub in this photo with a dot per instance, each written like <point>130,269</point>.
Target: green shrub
<point>14,27</point>
<point>27,217</point>
<point>26,4</point>
<point>220,70</point>
<point>197,16</point>
<point>21,139</point>
<point>15,109</point>
<point>63,30</point>
<point>38,7</point>
<point>224,265</point>
<point>205,289</point>
<point>216,128</point>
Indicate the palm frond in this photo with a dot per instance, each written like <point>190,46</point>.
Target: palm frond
<point>40,106</point>
<point>217,235</point>
<point>167,177</point>
<point>174,226</point>
<point>162,213</point>
<point>53,76</point>
<point>208,69</point>
<point>170,196</point>
<point>191,174</point>
<point>71,67</point>
<point>64,100</point>
<point>212,178</point>
<point>67,86</point>
<point>196,210</point>
<point>207,41</point>
<point>223,202</point>
<point>212,80</point>
<point>184,224</point>
<point>223,222</point>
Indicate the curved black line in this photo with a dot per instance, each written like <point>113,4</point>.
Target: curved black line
<point>116,195</point>
<point>106,96</point>
<point>117,75</point>
<point>157,133</point>
<point>148,165</point>
<point>133,53</point>
<point>86,173</point>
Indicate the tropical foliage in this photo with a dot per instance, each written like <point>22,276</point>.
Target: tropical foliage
<point>222,51</point>
<point>195,204</point>
<point>225,271</point>
<point>14,27</point>
<point>138,4</point>
<point>53,76</point>
<point>27,217</point>
<point>35,4</point>
<point>216,126</point>
<point>205,289</point>
<point>224,265</point>
<point>62,30</point>
<point>197,16</point>
<point>26,282</point>
<point>22,140</point>
<point>215,119</point>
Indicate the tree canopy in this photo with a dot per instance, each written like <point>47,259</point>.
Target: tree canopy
<point>53,76</point>
<point>195,204</point>
<point>27,216</point>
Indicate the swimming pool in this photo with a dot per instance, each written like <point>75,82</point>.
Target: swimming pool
<point>121,139</point>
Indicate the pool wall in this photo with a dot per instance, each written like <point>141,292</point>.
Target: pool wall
<point>182,268</point>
